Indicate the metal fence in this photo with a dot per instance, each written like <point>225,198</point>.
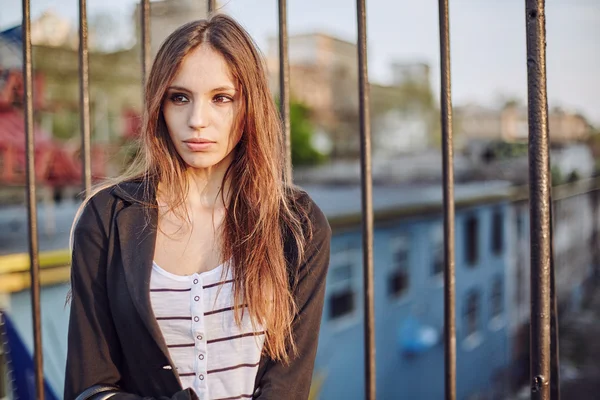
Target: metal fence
<point>544,379</point>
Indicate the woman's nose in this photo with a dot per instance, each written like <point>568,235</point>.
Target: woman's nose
<point>199,115</point>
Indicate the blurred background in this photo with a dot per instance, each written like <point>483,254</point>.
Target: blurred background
<point>489,84</point>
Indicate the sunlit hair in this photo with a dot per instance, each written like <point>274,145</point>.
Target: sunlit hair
<point>262,212</point>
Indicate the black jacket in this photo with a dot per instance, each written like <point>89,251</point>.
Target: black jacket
<point>113,335</point>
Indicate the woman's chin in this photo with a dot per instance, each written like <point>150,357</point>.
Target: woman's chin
<point>203,162</point>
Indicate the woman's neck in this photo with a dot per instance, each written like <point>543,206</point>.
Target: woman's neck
<point>206,189</point>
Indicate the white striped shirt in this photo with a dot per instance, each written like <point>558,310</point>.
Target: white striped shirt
<point>211,353</point>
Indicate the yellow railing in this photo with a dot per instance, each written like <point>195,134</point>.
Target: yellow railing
<point>14,270</point>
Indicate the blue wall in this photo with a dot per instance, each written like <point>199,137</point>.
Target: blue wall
<point>340,359</point>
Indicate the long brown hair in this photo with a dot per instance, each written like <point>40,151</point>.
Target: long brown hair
<point>262,214</point>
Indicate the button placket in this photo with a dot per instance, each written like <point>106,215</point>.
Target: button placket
<point>198,329</point>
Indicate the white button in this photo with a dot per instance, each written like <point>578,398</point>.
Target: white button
<point>201,356</point>
<point>201,377</point>
<point>196,319</point>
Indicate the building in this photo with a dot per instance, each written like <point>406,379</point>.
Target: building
<point>324,76</point>
<point>576,221</point>
<point>408,257</point>
<point>510,123</point>
<point>165,17</point>
<point>52,30</point>
<point>418,73</point>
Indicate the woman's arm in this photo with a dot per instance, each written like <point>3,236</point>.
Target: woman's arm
<point>292,381</point>
<point>94,353</point>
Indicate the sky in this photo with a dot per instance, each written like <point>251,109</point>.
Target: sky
<point>488,40</point>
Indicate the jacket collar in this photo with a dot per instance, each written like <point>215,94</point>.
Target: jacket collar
<point>140,190</point>
<point>136,225</point>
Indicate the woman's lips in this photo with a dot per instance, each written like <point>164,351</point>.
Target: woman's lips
<point>198,144</point>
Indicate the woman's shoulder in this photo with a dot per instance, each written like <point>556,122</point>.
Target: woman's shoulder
<point>101,204</point>
<point>95,211</point>
<point>305,205</point>
<point>130,190</point>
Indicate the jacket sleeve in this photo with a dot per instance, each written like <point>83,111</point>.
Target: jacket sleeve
<point>94,352</point>
<point>292,381</point>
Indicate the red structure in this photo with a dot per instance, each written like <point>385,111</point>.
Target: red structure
<point>55,165</point>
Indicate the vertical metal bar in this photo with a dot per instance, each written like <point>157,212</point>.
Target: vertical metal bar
<point>367,200</point>
<point>284,85</point>
<point>31,203</point>
<point>539,199</point>
<point>448,174</point>
<point>211,6</point>
<point>84,98</point>
<point>146,53</point>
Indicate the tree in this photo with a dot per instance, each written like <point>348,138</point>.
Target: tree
<point>302,131</point>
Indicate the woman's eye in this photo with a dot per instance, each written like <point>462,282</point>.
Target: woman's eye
<point>222,99</point>
<point>179,98</point>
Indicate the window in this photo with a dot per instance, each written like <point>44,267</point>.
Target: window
<point>521,281</point>
<point>497,297</point>
<point>520,223</point>
<point>472,311</point>
<point>471,240</point>
<point>398,280</point>
<point>437,243</point>
<point>342,297</point>
<point>497,232</point>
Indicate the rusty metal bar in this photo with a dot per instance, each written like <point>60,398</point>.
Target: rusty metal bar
<point>31,203</point>
<point>146,52</point>
<point>84,99</point>
<point>284,85</point>
<point>448,174</point>
<point>539,199</point>
<point>367,200</point>
<point>211,6</point>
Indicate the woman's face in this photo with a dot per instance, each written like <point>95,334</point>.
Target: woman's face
<point>200,109</point>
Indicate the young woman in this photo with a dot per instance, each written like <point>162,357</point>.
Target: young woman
<point>200,274</point>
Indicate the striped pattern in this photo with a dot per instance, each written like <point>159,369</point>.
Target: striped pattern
<point>211,354</point>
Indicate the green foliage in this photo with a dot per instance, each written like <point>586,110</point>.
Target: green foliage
<point>574,176</point>
<point>303,151</point>
<point>501,150</point>
<point>597,167</point>
<point>302,131</point>
<point>557,176</point>
<point>65,125</point>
